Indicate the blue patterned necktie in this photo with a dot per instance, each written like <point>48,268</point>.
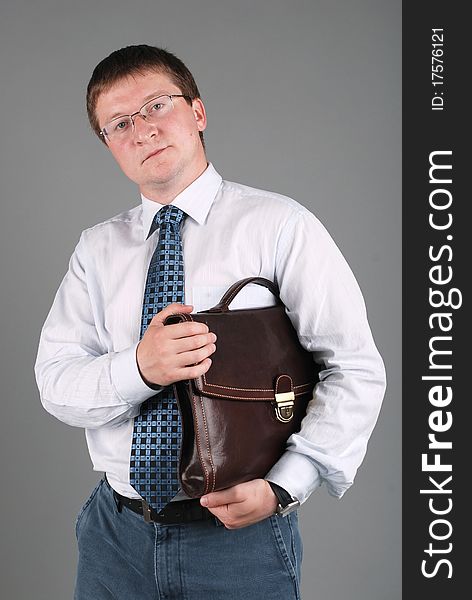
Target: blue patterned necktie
<point>157,431</point>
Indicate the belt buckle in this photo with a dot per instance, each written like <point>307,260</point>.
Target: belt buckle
<point>146,512</point>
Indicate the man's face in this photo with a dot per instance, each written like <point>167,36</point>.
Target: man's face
<point>162,158</point>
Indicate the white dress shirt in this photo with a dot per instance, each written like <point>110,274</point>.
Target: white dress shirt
<point>86,365</point>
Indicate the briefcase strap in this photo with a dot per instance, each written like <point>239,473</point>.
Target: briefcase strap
<point>233,291</point>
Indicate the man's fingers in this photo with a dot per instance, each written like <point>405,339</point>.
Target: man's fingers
<point>183,329</point>
<point>189,358</point>
<point>170,309</point>
<point>232,495</point>
<point>193,371</point>
<point>187,344</point>
<point>186,329</point>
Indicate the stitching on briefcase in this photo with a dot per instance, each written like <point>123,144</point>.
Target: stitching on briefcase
<point>236,388</point>
<point>208,447</point>
<point>300,387</point>
<point>195,420</point>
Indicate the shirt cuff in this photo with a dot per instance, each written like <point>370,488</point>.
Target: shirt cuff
<point>127,380</point>
<point>296,474</point>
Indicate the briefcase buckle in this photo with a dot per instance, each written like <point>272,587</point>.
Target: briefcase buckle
<point>284,403</point>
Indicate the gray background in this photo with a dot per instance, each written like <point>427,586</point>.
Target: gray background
<point>303,98</point>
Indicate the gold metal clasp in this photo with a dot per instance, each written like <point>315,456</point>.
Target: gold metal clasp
<point>284,406</point>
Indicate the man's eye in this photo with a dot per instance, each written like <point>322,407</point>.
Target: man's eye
<point>156,107</point>
<point>121,126</point>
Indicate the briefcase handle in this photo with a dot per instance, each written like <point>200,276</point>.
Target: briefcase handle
<point>233,291</point>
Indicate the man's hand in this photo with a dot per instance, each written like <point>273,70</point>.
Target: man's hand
<point>242,504</point>
<point>169,353</point>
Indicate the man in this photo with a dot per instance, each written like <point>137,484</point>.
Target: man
<point>192,236</point>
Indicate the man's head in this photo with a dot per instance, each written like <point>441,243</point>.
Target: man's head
<point>121,85</point>
<point>137,60</point>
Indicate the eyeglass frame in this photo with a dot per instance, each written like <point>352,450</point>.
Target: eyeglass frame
<point>103,131</point>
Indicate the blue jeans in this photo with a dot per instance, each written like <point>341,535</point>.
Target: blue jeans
<point>121,557</point>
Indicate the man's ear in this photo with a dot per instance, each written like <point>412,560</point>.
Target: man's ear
<point>199,113</point>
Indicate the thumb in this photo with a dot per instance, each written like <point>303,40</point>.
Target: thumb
<point>215,499</point>
<point>170,309</point>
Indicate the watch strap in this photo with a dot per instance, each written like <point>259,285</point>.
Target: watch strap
<point>282,495</point>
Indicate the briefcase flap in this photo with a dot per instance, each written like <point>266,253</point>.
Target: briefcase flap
<point>257,355</point>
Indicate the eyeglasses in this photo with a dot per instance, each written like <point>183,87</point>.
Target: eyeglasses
<point>122,128</point>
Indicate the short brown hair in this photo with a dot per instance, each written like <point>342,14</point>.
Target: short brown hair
<point>137,60</point>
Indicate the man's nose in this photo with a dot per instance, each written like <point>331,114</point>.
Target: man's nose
<point>143,128</point>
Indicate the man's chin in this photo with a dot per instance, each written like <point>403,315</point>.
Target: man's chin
<point>160,179</point>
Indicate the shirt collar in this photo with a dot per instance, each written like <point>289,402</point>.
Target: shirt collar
<point>195,200</point>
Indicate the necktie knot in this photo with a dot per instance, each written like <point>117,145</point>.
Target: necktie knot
<point>169,214</point>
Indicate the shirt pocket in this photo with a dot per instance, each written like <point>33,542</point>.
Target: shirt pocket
<point>251,296</point>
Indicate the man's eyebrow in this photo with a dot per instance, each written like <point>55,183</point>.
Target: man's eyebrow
<point>145,99</point>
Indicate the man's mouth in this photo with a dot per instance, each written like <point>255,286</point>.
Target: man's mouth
<point>154,153</point>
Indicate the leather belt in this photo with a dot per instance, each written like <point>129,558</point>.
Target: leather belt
<point>180,511</point>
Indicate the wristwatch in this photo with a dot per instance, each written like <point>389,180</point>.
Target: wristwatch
<point>287,503</point>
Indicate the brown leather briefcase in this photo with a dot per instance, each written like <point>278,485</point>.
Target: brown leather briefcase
<point>236,417</point>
